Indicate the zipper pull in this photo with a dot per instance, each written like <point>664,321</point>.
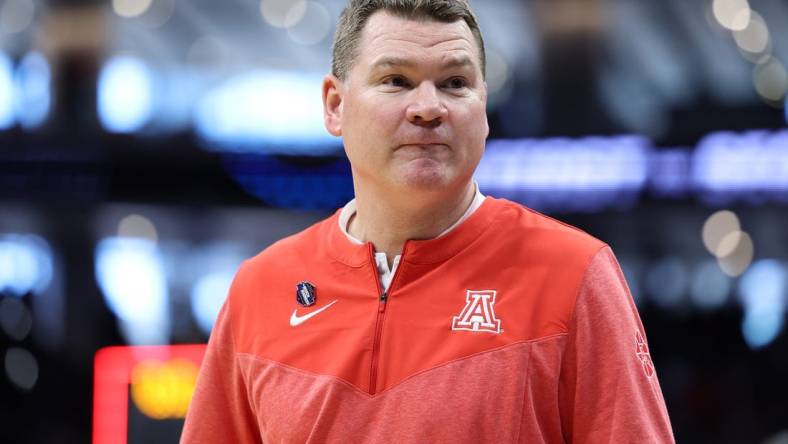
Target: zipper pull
<point>383,296</point>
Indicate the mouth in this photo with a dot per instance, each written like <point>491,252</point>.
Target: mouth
<point>424,145</point>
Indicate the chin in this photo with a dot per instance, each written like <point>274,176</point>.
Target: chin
<point>426,178</point>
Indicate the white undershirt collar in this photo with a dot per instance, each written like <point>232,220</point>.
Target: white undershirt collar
<point>380,258</point>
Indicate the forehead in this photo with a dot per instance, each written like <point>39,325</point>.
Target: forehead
<point>386,34</point>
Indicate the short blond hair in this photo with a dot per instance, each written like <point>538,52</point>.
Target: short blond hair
<point>357,13</point>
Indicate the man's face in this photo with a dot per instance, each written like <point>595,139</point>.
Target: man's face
<point>412,111</point>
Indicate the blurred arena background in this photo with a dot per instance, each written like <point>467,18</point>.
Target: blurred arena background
<point>148,146</point>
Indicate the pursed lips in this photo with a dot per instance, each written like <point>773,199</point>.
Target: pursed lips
<point>423,145</point>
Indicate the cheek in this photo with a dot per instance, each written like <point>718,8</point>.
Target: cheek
<point>370,122</point>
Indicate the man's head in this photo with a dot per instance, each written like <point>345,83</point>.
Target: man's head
<point>408,95</point>
<point>357,13</point>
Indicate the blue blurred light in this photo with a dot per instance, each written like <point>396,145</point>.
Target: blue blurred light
<point>25,264</point>
<point>6,92</point>
<point>709,287</point>
<point>279,183</point>
<point>207,297</point>
<point>763,286</point>
<point>125,95</point>
<point>264,110</point>
<point>130,273</point>
<point>568,174</point>
<point>666,282</point>
<point>33,80</point>
<point>752,166</point>
<point>760,327</point>
<point>762,294</point>
<point>669,172</point>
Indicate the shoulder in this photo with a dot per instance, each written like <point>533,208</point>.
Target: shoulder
<point>539,234</point>
<point>281,259</point>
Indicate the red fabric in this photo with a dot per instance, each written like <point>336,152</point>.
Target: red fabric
<point>566,364</point>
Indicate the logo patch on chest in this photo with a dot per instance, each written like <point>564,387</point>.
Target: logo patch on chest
<point>478,314</point>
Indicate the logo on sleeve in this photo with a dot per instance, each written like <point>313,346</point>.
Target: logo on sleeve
<point>641,350</point>
<point>478,314</point>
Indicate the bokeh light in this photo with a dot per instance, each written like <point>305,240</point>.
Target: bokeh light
<point>666,282</point>
<point>125,95</point>
<point>309,26</point>
<point>283,13</point>
<point>21,367</point>
<point>130,8</point>
<point>33,81</point>
<point>207,297</point>
<point>709,286</point>
<point>732,14</point>
<point>131,275</point>
<point>6,92</point>
<point>740,257</point>
<point>136,226</point>
<point>16,15</point>
<point>770,80</point>
<point>26,264</point>
<point>716,227</point>
<point>15,318</point>
<point>753,38</point>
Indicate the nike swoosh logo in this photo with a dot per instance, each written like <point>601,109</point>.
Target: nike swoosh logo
<point>296,320</point>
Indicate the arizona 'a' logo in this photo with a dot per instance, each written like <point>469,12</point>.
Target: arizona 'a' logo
<point>641,350</point>
<point>478,314</point>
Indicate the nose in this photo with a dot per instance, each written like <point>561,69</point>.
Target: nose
<point>426,108</point>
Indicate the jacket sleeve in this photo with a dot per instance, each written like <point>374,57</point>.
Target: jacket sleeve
<point>608,389</point>
<point>220,410</point>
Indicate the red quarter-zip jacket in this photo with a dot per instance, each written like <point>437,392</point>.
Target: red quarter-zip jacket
<point>512,328</point>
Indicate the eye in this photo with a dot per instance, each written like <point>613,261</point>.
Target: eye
<point>396,81</point>
<point>456,83</point>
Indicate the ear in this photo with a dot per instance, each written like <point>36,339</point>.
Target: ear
<point>332,105</point>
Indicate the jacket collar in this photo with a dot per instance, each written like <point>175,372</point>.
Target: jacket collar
<point>426,251</point>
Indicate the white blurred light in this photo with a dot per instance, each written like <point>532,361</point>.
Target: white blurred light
<point>264,106</point>
<point>21,367</point>
<point>771,80</point>
<point>709,286</point>
<point>16,15</point>
<point>130,8</point>
<point>312,25</point>
<point>283,13</point>
<point>136,226</point>
<point>159,13</point>
<point>207,297</point>
<point>732,14</point>
<point>716,227</point>
<point>25,264</point>
<point>740,257</point>
<point>131,275</point>
<point>666,282</point>
<point>125,95</point>
<point>33,80</point>
<point>754,37</point>
<point>6,92</point>
<point>15,319</point>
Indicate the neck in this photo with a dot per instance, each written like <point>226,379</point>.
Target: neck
<point>388,223</point>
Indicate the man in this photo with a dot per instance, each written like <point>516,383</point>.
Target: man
<point>423,311</point>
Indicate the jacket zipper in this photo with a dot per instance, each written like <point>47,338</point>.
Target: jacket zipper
<point>384,295</point>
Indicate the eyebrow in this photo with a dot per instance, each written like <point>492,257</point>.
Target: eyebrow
<point>392,62</point>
